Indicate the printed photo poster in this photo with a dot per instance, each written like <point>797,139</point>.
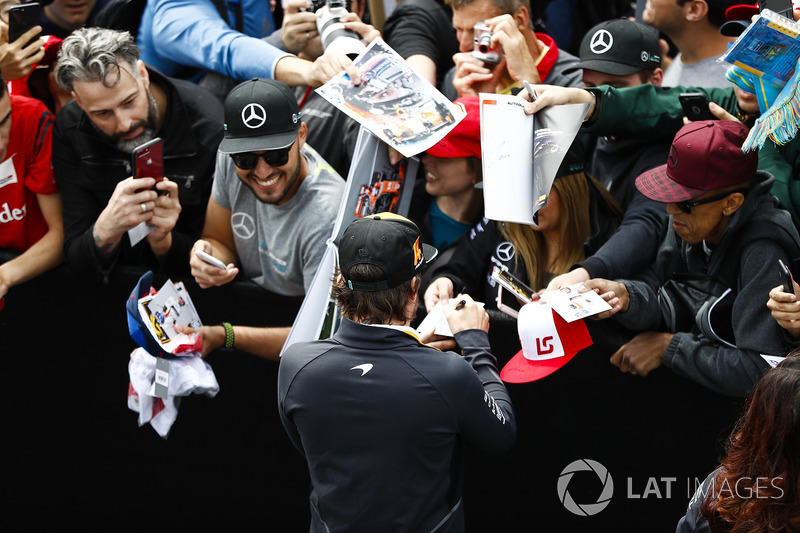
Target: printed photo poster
<point>393,102</point>
<point>373,186</point>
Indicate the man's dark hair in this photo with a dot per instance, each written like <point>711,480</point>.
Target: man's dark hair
<point>376,307</point>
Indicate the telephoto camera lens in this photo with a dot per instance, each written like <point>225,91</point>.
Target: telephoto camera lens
<point>334,37</point>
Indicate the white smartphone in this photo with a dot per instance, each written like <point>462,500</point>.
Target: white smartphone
<point>210,259</point>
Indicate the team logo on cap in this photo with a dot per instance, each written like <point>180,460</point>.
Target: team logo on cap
<point>254,116</point>
<point>417,253</point>
<point>601,42</point>
<point>672,160</point>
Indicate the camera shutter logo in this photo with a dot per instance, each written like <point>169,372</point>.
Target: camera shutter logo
<point>254,116</point>
<point>601,42</point>
<point>585,509</point>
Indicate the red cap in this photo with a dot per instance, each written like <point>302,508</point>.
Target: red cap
<point>465,139</point>
<point>705,156</point>
<point>548,343</point>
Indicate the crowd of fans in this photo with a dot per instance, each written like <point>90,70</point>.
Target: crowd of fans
<point>667,219</point>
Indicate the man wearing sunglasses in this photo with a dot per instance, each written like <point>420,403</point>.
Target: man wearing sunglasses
<point>700,308</point>
<point>273,203</point>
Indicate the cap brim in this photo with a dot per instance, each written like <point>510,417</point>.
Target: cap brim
<point>429,253</point>
<point>445,149</point>
<point>606,67</point>
<point>522,370</point>
<point>733,28</point>
<point>657,185</point>
<point>741,12</point>
<point>233,145</point>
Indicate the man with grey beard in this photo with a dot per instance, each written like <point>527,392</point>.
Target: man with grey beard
<point>119,104</point>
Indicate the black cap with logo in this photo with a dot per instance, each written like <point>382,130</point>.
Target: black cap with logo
<point>619,47</point>
<point>260,114</point>
<point>388,241</point>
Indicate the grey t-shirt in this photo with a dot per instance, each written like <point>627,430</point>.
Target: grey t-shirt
<point>280,247</point>
<point>706,73</point>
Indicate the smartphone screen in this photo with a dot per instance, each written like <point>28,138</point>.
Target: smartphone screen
<point>148,160</point>
<point>23,17</point>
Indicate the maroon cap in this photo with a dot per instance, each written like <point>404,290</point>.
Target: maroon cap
<point>705,156</point>
<point>465,139</point>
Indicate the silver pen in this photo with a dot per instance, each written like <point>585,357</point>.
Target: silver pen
<point>529,89</point>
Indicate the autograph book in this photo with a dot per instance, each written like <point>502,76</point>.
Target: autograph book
<point>521,154</point>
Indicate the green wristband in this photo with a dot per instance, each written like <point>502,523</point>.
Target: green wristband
<point>228,335</point>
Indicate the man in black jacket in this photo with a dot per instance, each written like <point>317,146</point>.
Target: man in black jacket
<point>700,307</point>
<point>119,104</point>
<point>379,416</point>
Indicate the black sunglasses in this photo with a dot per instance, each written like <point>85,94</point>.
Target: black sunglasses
<point>274,158</point>
<point>687,205</point>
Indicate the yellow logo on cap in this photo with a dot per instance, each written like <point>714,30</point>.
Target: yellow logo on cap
<point>417,253</point>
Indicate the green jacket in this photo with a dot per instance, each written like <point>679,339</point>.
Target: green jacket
<point>651,112</point>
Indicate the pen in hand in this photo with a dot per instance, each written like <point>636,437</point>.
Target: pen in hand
<point>529,89</point>
<point>460,305</point>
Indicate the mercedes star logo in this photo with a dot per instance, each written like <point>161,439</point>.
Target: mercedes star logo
<point>601,42</point>
<point>505,251</point>
<point>254,116</point>
<point>243,225</point>
<point>672,160</point>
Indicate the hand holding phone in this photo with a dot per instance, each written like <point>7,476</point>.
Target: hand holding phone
<point>210,259</point>
<point>786,277</point>
<point>21,18</point>
<point>695,106</point>
<point>148,160</point>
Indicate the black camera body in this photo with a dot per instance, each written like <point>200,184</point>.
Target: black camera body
<point>482,48</point>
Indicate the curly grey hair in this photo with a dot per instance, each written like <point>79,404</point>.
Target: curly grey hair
<point>95,54</point>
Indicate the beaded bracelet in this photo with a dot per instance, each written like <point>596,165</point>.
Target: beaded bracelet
<point>228,335</point>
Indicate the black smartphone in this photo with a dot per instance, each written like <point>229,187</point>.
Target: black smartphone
<point>695,106</point>
<point>781,7</point>
<point>786,277</point>
<point>23,17</point>
<point>148,160</point>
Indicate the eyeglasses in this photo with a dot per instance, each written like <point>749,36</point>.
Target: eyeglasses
<point>687,205</point>
<point>274,158</point>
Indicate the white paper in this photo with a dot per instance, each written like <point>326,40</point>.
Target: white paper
<point>773,360</point>
<point>436,319</point>
<point>572,305</point>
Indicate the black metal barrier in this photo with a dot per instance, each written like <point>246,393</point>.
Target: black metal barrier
<point>74,451</point>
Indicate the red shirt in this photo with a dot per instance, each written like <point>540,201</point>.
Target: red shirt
<point>26,171</point>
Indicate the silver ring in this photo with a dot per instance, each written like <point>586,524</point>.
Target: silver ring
<point>144,207</point>
<point>308,36</point>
